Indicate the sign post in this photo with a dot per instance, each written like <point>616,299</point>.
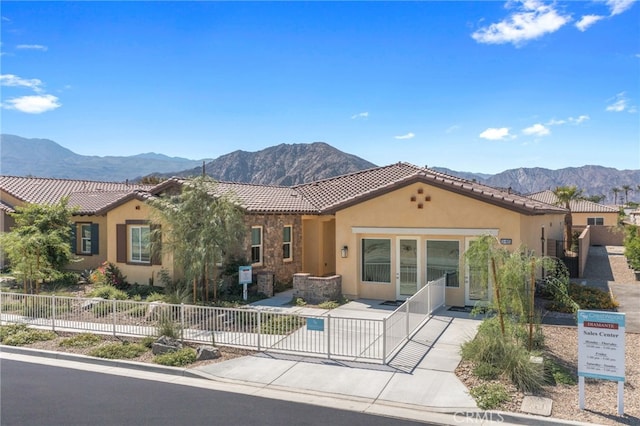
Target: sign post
<point>244,278</point>
<point>601,351</point>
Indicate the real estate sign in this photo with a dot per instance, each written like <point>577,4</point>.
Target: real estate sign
<point>245,277</point>
<point>601,350</point>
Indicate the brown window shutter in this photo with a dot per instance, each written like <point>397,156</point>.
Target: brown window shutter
<point>121,243</point>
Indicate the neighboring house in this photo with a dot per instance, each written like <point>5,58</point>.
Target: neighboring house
<point>111,221</point>
<point>583,212</point>
<point>385,231</point>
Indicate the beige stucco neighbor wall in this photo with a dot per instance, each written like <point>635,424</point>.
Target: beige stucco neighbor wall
<point>606,235</point>
<point>272,226</point>
<point>444,216</point>
<point>584,242</point>
<point>580,219</point>
<point>531,231</point>
<point>135,273</point>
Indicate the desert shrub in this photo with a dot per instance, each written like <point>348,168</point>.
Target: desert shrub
<point>141,291</point>
<point>329,304</point>
<point>11,329</point>
<point>489,396</point>
<point>507,354</point>
<point>36,308</point>
<point>108,292</point>
<point>28,336</point>
<point>555,373</point>
<point>585,298</point>
<point>66,279</point>
<point>122,350</point>
<point>82,340</point>
<point>179,358</point>
<point>280,324</point>
<point>299,301</point>
<point>138,311</point>
<point>167,326</point>
<point>109,274</point>
<point>486,371</point>
<point>156,297</point>
<point>148,341</point>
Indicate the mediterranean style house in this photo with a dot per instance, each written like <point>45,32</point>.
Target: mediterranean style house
<point>384,232</point>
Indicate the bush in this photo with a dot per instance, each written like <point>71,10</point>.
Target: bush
<point>28,336</point>
<point>557,374</point>
<point>109,274</point>
<point>108,292</point>
<point>11,329</point>
<point>148,341</point>
<point>586,298</point>
<point>122,350</point>
<point>507,354</point>
<point>486,371</point>
<point>156,297</point>
<point>178,358</point>
<point>142,291</point>
<point>489,396</point>
<point>280,324</point>
<point>138,311</point>
<point>82,340</point>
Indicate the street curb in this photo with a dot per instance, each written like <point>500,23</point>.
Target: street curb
<point>65,356</point>
<point>489,417</point>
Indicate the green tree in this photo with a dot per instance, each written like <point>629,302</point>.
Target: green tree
<point>38,245</point>
<point>615,191</point>
<point>565,195</point>
<point>626,189</point>
<point>202,229</point>
<point>596,198</point>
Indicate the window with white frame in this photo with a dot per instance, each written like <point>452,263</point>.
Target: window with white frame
<point>256,245</point>
<point>443,259</point>
<point>85,238</point>
<point>595,221</point>
<point>287,241</point>
<point>376,260</point>
<point>139,243</point>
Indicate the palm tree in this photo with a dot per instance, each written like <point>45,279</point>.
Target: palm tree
<point>615,194</point>
<point>566,194</point>
<point>626,189</point>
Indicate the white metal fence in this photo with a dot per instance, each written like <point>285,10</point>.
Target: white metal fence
<point>409,317</point>
<point>327,335</point>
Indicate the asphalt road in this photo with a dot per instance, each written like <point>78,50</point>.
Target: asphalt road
<point>32,394</point>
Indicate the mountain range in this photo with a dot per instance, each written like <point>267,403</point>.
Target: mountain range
<point>284,164</point>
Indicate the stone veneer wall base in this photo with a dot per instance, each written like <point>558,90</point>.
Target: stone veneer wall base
<point>316,290</point>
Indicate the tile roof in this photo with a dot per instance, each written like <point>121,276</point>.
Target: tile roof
<point>576,206</point>
<point>255,198</point>
<point>90,197</point>
<point>321,197</point>
<point>333,194</point>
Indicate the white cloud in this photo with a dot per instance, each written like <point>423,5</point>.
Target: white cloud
<point>554,122</point>
<point>452,129</point>
<point>620,104</point>
<point>32,47</point>
<point>407,136</point>
<point>34,104</point>
<point>532,20</point>
<point>536,130</point>
<point>496,134</point>
<point>587,20</point>
<point>579,120</point>
<point>15,81</point>
<point>619,6</point>
<point>363,115</point>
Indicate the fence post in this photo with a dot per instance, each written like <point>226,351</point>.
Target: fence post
<point>407,302</point>
<point>329,336</point>
<point>384,340</point>
<point>53,312</point>
<point>259,329</point>
<point>114,317</point>
<point>182,322</point>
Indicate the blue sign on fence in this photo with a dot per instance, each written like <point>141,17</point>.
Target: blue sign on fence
<point>315,324</point>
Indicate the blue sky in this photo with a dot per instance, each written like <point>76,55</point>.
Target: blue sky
<point>478,86</point>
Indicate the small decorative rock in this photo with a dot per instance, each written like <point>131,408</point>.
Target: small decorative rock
<point>207,352</point>
<point>536,405</point>
<point>88,304</point>
<point>165,344</point>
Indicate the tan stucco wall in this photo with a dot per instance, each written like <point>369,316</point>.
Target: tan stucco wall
<point>319,245</point>
<point>141,274</point>
<point>531,231</point>
<point>580,219</point>
<point>444,211</point>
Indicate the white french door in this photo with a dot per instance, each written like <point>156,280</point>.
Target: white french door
<point>407,267</point>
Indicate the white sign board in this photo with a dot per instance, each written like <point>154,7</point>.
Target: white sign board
<point>244,278</point>
<point>601,349</point>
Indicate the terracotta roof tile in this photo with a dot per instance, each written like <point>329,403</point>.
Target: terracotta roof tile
<point>89,196</point>
<point>576,206</point>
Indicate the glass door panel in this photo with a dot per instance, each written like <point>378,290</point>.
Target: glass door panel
<point>407,273</point>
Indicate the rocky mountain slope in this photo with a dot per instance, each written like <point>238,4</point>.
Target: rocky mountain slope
<point>285,164</point>
<point>45,158</point>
